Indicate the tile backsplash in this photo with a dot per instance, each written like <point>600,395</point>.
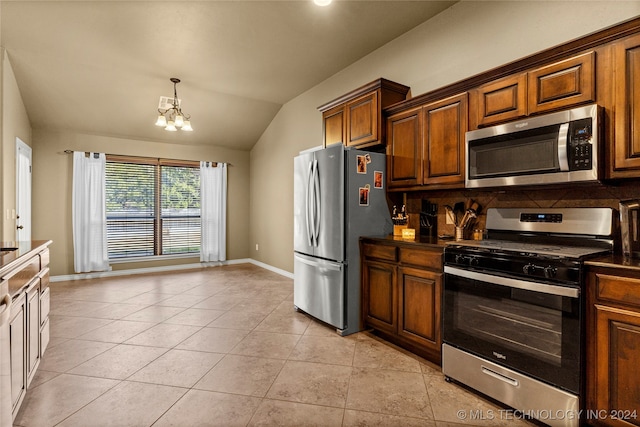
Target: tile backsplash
<point>591,195</point>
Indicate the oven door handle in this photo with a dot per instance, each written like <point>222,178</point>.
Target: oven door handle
<point>499,376</point>
<point>564,291</point>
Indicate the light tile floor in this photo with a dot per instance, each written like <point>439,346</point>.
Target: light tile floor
<point>224,346</point>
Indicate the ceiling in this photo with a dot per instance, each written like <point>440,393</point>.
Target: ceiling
<point>100,67</point>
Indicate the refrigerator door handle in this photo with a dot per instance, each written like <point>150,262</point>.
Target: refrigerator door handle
<point>316,192</point>
<point>308,202</point>
<point>320,263</point>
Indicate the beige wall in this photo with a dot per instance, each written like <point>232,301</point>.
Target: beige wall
<point>15,124</point>
<point>52,178</point>
<point>464,40</point>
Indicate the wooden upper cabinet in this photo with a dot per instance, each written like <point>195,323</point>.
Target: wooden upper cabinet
<point>563,84</point>
<point>333,125</point>
<point>404,149</point>
<point>499,101</point>
<point>426,145</point>
<point>362,120</point>
<point>355,119</point>
<point>626,144</point>
<point>445,125</point>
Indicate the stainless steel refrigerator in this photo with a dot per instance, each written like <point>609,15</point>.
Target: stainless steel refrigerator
<point>339,196</point>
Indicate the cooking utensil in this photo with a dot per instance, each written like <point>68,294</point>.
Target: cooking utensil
<point>470,214</point>
<point>458,210</point>
<point>451,215</point>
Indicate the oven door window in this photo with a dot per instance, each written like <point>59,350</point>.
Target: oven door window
<point>532,332</point>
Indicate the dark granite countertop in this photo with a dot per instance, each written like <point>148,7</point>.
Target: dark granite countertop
<point>432,242</point>
<point>608,261</point>
<point>615,261</point>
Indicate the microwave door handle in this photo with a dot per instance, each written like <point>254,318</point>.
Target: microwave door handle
<point>563,153</point>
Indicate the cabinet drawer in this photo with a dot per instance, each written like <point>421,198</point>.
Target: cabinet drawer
<point>44,258</point>
<point>384,252</point>
<point>23,276</point>
<point>618,289</point>
<point>45,305</point>
<point>421,258</point>
<point>44,279</point>
<point>44,337</point>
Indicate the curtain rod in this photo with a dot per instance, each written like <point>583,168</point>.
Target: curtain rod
<point>146,157</point>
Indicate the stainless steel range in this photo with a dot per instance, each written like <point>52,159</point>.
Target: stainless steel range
<point>513,322</point>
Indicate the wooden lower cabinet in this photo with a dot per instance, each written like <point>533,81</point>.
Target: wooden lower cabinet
<point>613,348</point>
<point>28,284</point>
<point>33,329</point>
<point>419,317</point>
<point>401,294</point>
<point>380,295</point>
<point>18,348</point>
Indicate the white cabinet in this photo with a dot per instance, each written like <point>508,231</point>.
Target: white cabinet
<point>17,346</point>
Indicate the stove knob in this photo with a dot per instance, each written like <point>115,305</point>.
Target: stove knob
<point>473,261</point>
<point>462,259</point>
<point>550,272</point>
<point>529,269</point>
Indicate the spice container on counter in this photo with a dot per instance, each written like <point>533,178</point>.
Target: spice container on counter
<point>478,234</point>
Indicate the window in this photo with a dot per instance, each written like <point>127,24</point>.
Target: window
<point>153,207</point>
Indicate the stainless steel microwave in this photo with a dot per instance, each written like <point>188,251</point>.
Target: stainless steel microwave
<point>554,148</point>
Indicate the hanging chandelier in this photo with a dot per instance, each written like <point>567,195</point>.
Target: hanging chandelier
<point>173,118</point>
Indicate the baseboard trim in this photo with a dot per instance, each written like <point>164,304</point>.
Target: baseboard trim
<point>272,268</point>
<point>193,266</point>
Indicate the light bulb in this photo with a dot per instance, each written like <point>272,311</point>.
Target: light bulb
<point>171,126</point>
<point>162,121</point>
<point>322,2</point>
<point>179,120</point>
<point>187,126</point>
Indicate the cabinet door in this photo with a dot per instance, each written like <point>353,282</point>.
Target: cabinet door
<point>563,84</point>
<point>498,101</point>
<point>627,107</point>
<point>362,120</point>
<point>33,328</point>
<point>445,124</point>
<point>404,149</point>
<point>379,295</point>
<point>333,125</point>
<point>419,293</point>
<point>17,335</point>
<point>617,379</point>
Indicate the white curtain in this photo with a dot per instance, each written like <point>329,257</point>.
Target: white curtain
<point>213,211</point>
<point>89,213</point>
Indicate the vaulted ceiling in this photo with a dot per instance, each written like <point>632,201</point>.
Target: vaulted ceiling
<point>100,67</point>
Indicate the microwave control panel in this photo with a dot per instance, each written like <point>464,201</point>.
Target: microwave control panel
<point>580,144</point>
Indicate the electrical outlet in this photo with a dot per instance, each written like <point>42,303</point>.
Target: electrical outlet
<point>256,246</point>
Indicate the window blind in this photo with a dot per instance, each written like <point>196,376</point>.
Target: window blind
<point>180,209</point>
<point>152,209</point>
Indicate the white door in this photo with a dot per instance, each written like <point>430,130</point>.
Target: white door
<point>23,191</point>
